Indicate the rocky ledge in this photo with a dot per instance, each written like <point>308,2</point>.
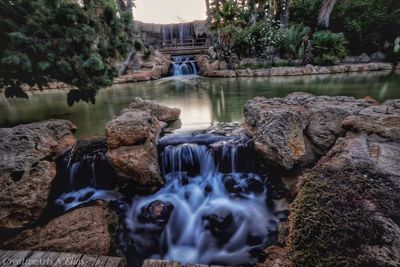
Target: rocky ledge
<point>345,211</point>
<point>154,68</point>
<point>218,69</point>
<point>27,169</point>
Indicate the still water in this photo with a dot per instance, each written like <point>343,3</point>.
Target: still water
<point>203,101</point>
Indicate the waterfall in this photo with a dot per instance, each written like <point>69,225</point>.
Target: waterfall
<point>85,176</point>
<point>212,209</point>
<point>183,65</point>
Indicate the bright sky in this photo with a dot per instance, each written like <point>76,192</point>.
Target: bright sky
<point>169,11</point>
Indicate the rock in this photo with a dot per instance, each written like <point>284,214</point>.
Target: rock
<point>27,168</point>
<point>220,73</point>
<point>131,128</point>
<point>221,224</point>
<point>132,139</point>
<point>161,112</point>
<point>86,230</point>
<point>364,58</point>
<point>157,212</point>
<point>294,130</point>
<point>383,120</point>
<point>359,178</point>
<point>245,73</point>
<point>136,164</point>
<point>309,70</point>
<point>378,57</point>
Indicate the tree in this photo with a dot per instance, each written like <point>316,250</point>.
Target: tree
<point>325,12</point>
<point>131,60</point>
<point>59,40</point>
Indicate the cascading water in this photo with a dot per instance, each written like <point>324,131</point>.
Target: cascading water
<point>183,65</point>
<point>89,177</point>
<point>212,210</point>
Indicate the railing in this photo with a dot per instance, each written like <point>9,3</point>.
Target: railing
<point>194,42</point>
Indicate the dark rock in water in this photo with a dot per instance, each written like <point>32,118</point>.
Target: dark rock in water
<point>254,185</point>
<point>28,168</point>
<point>254,240</point>
<point>156,212</point>
<point>231,184</point>
<point>221,225</point>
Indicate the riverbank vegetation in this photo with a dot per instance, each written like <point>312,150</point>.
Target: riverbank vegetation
<point>321,32</point>
<point>45,41</point>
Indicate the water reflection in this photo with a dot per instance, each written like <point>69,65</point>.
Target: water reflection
<point>204,101</point>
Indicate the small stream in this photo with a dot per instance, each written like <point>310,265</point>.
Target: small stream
<point>215,206</point>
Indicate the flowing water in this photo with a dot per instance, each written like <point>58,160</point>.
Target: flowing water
<point>216,207</point>
<point>183,65</point>
<point>203,101</point>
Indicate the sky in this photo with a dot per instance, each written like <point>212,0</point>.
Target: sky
<point>169,11</point>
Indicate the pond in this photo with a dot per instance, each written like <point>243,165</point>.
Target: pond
<point>203,101</point>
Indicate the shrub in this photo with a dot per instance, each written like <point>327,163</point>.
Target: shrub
<point>146,54</point>
<point>295,41</point>
<point>328,47</point>
<point>256,39</point>
<point>305,12</point>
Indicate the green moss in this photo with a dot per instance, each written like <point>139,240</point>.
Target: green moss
<point>329,221</point>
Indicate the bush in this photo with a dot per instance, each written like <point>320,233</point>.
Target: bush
<point>328,47</point>
<point>294,42</point>
<point>305,12</point>
<point>255,40</point>
<point>367,24</point>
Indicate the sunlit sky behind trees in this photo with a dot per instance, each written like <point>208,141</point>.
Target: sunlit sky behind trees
<point>169,11</point>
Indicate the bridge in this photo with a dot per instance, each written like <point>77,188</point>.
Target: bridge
<point>192,46</point>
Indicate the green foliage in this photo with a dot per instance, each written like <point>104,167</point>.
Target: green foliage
<point>305,12</point>
<point>328,47</point>
<point>138,45</point>
<point>295,39</point>
<point>397,45</point>
<point>367,24</point>
<point>255,39</point>
<point>44,41</point>
<point>146,54</point>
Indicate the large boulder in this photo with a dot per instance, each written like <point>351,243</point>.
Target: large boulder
<point>132,143</point>
<point>346,210</point>
<point>27,168</point>
<point>298,129</point>
<point>85,230</point>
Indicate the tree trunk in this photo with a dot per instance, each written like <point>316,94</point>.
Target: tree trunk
<point>208,9</point>
<point>283,11</point>
<point>325,12</point>
<point>253,13</point>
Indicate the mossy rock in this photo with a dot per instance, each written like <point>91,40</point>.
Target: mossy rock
<point>333,218</point>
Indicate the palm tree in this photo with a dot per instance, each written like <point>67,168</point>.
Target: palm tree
<point>325,12</point>
<point>208,10</point>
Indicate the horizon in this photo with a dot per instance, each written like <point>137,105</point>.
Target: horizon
<point>169,11</point>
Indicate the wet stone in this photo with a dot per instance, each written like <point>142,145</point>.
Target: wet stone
<point>157,211</point>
